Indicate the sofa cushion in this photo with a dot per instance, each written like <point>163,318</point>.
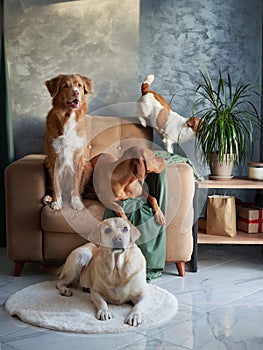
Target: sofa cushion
<point>114,135</point>
<point>69,220</point>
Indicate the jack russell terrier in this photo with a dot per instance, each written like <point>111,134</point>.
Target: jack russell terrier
<point>154,110</point>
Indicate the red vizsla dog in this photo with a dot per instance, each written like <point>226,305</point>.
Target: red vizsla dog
<point>119,179</point>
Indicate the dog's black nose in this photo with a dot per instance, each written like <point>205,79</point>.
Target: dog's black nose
<point>117,239</point>
<point>75,93</point>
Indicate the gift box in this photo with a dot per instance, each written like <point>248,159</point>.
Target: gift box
<point>249,217</point>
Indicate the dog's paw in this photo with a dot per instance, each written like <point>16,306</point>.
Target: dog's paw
<point>76,203</point>
<point>47,199</point>
<point>104,315</point>
<point>57,205</point>
<point>170,149</point>
<point>143,122</point>
<point>134,319</point>
<point>65,292</point>
<point>168,145</point>
<point>159,217</point>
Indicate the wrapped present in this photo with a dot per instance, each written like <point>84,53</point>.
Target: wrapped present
<point>249,217</point>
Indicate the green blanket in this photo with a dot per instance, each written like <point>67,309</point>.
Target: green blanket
<point>172,158</point>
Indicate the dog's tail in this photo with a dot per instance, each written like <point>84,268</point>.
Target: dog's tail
<point>146,84</point>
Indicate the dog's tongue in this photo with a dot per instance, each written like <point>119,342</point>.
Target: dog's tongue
<point>74,104</point>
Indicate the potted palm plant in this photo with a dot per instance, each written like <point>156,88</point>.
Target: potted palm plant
<point>228,117</point>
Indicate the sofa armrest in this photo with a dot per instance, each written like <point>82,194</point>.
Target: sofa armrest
<point>24,188</point>
<point>180,213</point>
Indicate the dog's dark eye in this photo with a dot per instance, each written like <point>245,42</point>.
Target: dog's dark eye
<point>125,229</point>
<point>65,86</point>
<point>108,230</point>
<point>79,85</point>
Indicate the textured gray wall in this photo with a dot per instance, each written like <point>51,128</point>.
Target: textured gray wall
<point>117,43</point>
<point>177,38</point>
<point>45,38</point>
<point>180,37</point>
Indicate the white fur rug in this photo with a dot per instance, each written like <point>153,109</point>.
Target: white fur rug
<point>42,305</point>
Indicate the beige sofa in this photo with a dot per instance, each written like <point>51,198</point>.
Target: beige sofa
<point>35,232</point>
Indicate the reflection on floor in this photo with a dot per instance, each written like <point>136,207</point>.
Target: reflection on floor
<point>220,307</point>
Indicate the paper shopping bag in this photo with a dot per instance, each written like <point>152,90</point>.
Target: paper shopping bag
<point>221,215</point>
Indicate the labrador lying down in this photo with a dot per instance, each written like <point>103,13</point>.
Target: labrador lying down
<point>113,268</point>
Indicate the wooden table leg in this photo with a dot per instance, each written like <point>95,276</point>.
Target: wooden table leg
<point>195,232</point>
<point>18,268</point>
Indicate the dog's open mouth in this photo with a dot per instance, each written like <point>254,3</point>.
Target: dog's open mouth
<point>118,250</point>
<point>74,103</point>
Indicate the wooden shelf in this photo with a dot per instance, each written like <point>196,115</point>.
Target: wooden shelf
<point>200,237</point>
<point>240,238</point>
<point>235,182</point>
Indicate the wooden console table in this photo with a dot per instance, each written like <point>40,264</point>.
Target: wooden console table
<point>241,237</point>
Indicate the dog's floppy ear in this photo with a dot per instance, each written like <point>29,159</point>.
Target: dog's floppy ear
<point>153,164</point>
<point>87,84</point>
<point>135,233</point>
<point>137,162</point>
<point>193,123</point>
<point>53,85</point>
<point>95,236</point>
<point>139,169</point>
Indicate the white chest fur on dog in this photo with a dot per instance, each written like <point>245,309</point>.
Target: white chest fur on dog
<point>65,145</point>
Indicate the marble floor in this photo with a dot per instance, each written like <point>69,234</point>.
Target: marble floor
<point>220,307</point>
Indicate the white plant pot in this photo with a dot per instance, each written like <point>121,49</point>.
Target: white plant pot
<point>223,169</point>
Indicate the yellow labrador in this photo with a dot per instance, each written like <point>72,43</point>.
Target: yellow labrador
<point>113,269</point>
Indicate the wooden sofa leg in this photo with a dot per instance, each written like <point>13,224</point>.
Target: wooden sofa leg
<point>18,268</point>
<point>181,268</point>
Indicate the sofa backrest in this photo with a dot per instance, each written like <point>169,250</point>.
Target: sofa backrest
<point>114,135</point>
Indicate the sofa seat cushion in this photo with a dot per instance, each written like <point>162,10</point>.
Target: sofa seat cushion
<point>68,220</point>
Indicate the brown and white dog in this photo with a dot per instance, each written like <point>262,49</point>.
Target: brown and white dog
<point>113,269</point>
<point>65,139</point>
<point>154,110</point>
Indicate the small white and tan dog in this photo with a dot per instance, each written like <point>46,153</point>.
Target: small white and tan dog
<point>113,268</point>
<point>154,110</point>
